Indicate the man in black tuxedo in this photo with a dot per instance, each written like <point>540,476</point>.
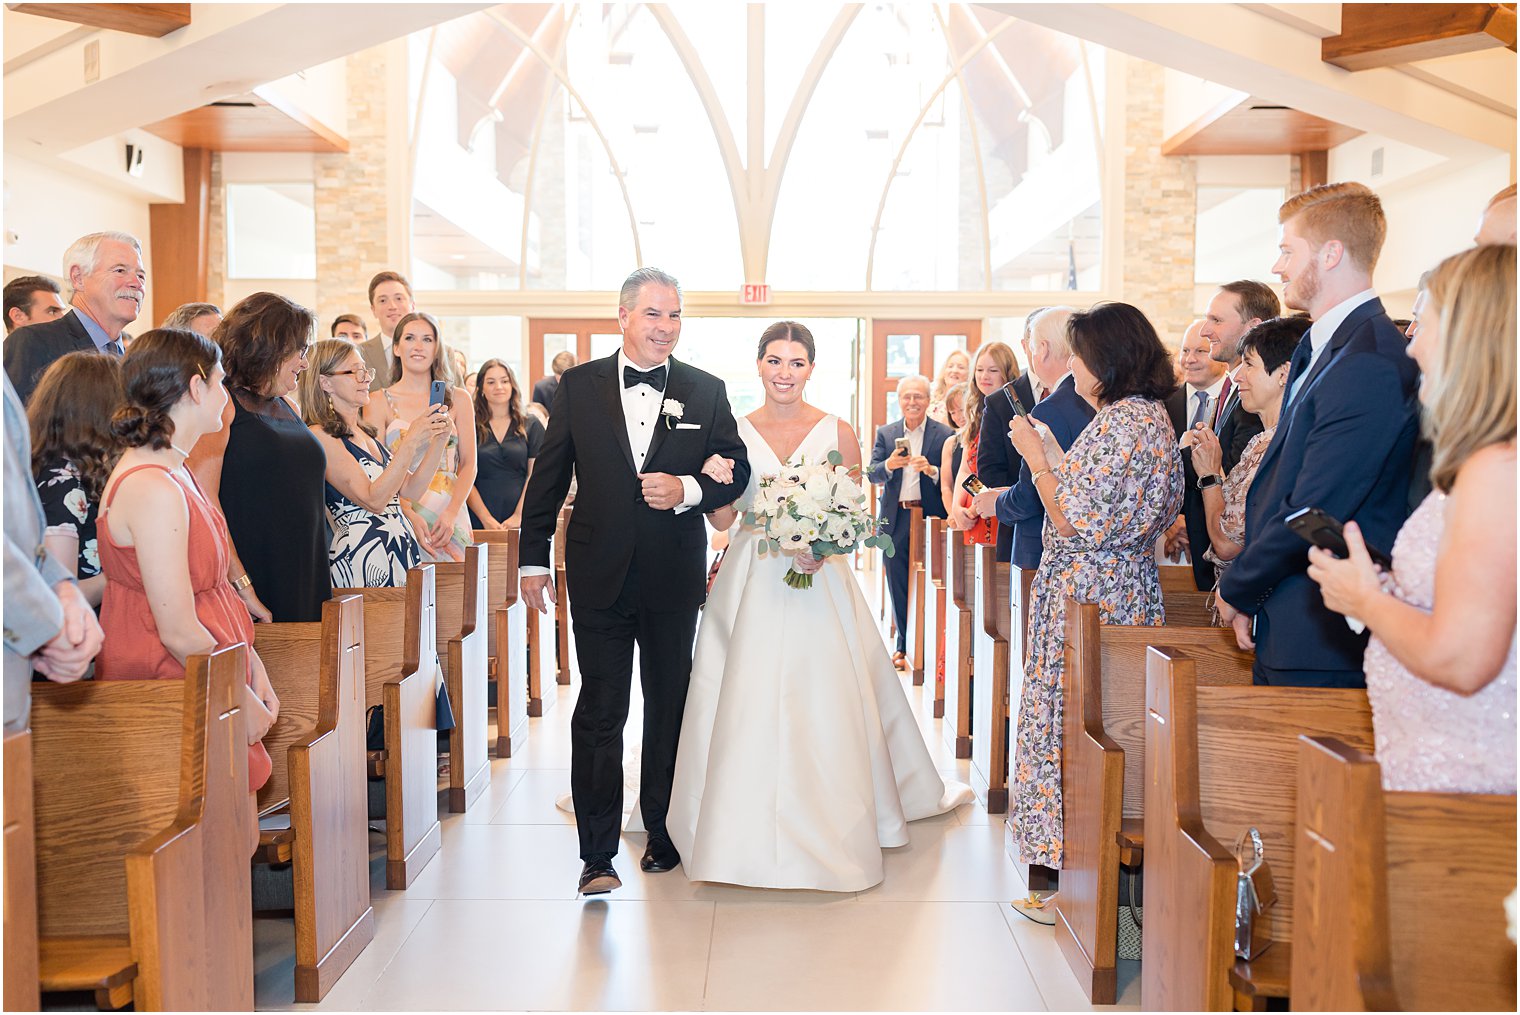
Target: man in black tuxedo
<point>1343,442</point>
<point>909,478</point>
<point>1066,413</point>
<point>543,391</point>
<point>636,429</point>
<point>105,270</point>
<point>997,463</point>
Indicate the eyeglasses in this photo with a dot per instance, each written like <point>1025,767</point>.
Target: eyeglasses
<point>363,373</point>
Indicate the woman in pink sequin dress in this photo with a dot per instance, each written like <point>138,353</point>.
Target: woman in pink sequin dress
<point>1441,662</point>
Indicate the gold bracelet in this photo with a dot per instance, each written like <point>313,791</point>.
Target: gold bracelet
<point>1035,479</point>
<point>242,581</point>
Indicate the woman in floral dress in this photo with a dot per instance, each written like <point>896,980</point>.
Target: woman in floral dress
<point>373,545</point>
<point>73,452</point>
<point>1106,500</point>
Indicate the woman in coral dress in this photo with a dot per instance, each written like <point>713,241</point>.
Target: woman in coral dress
<point>163,545</point>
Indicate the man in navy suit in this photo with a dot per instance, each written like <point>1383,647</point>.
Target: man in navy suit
<point>105,270</point>
<point>997,464</point>
<point>908,479</point>
<point>1065,412</point>
<point>1343,443</point>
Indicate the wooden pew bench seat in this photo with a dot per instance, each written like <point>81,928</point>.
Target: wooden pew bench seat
<point>101,963</point>
<point>1131,839</point>
<point>1265,976</point>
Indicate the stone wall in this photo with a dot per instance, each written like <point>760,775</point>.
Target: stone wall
<point>352,202</point>
<point>1160,210</point>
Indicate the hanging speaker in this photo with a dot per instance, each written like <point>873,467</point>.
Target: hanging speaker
<point>134,160</point>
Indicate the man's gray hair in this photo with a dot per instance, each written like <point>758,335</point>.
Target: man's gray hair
<point>85,251</point>
<point>1050,327</point>
<point>185,313</point>
<point>635,282</point>
<point>915,379</point>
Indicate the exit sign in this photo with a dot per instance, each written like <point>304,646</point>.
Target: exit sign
<point>756,294</point>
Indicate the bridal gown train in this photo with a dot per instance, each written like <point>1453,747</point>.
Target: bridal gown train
<point>800,758</point>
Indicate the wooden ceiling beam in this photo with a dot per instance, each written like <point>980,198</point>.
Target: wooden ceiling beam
<point>1253,126</point>
<point>1385,35</point>
<point>152,20</point>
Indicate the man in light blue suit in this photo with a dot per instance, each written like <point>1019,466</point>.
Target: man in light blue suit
<point>49,625</point>
<point>908,478</point>
<point>1064,411</point>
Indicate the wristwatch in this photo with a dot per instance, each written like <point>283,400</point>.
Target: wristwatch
<point>1204,482</point>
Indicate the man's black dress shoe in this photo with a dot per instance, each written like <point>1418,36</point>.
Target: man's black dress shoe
<point>599,877</point>
<point>659,856</point>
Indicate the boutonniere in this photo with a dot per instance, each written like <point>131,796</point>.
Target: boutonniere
<point>672,411</point>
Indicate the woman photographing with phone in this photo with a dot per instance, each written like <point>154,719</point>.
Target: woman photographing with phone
<point>438,516</point>
<point>1441,663</point>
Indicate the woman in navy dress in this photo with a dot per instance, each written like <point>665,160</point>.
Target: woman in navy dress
<point>507,442</point>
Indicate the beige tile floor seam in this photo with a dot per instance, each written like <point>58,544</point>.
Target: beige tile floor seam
<point>494,922</point>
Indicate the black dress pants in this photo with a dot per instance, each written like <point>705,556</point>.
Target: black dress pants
<point>897,567</point>
<point>604,641</point>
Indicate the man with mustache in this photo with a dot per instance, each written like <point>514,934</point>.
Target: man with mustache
<point>105,272</point>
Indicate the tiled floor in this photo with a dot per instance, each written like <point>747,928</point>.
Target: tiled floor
<point>493,922</point>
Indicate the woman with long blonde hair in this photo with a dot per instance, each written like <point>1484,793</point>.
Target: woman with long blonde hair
<point>996,365</point>
<point>952,372</point>
<point>1441,664</point>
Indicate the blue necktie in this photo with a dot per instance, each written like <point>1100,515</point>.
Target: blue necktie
<point>1298,366</point>
<point>1201,411</point>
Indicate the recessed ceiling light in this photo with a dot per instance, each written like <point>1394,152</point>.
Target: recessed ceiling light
<point>456,257</point>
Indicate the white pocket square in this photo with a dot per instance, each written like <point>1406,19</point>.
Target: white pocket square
<point>688,426</point>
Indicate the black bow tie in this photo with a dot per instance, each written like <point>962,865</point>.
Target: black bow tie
<point>654,378</point>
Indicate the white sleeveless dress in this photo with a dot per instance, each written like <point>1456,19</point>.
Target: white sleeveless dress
<point>800,758</point>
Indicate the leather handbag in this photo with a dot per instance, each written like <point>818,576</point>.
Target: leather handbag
<point>1254,895</point>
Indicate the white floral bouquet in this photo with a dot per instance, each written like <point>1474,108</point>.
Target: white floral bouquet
<point>819,508</point>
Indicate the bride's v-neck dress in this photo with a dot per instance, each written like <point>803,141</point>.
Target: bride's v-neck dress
<point>800,758</point>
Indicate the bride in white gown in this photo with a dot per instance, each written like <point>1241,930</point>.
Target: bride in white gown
<point>800,758</point>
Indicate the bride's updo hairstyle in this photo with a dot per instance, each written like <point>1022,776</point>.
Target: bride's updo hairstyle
<point>788,331</point>
<point>155,374</point>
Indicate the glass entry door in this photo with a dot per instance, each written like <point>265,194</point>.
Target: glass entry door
<point>902,348</point>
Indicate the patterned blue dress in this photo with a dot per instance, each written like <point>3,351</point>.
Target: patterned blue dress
<point>369,550</point>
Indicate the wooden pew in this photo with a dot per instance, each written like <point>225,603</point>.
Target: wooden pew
<point>400,646</point>
<point>917,582</point>
<point>317,747</point>
<point>507,644</point>
<point>959,641</point>
<point>20,877</point>
<point>1400,895</point>
<point>989,743</point>
<point>463,632</point>
<point>935,599</point>
<point>543,629</point>
<point>142,848</point>
<point>1219,760</point>
<point>1185,605</point>
<point>1103,773</point>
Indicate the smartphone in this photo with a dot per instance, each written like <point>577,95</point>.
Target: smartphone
<point>1316,527</point>
<point>438,394</point>
<point>1014,403</point>
<point>902,445</point>
<point>973,485</point>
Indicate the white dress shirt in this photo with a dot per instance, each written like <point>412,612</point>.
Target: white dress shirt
<point>1211,407</point>
<point>1323,330</point>
<point>641,414</point>
<point>910,476</point>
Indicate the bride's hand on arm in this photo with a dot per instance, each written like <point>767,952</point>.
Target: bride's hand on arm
<point>719,469</point>
<point>723,518</point>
